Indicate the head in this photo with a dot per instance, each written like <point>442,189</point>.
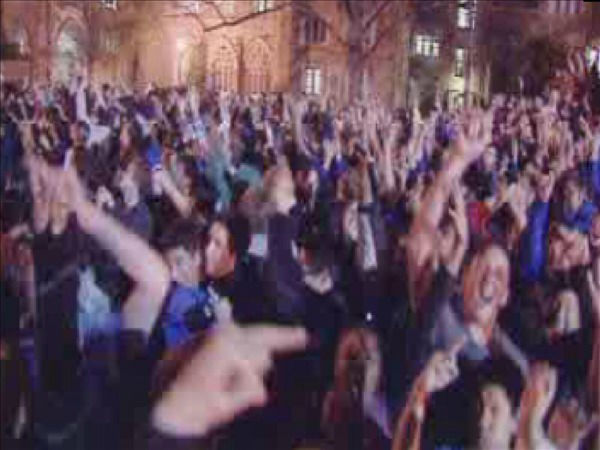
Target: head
<point>496,423</point>
<point>228,241</point>
<point>183,248</point>
<point>131,177</point>
<point>80,132</point>
<point>486,285</point>
<point>131,135</point>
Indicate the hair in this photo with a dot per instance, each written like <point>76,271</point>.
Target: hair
<point>238,232</point>
<point>183,233</point>
<point>141,171</point>
<point>481,247</point>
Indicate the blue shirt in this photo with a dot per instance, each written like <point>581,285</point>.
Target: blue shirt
<point>581,220</point>
<point>188,310</point>
<point>533,250</point>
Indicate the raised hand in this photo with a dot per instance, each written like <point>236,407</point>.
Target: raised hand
<point>104,198</point>
<point>224,378</point>
<point>569,425</point>
<point>442,368</point>
<point>475,135</point>
<point>540,388</point>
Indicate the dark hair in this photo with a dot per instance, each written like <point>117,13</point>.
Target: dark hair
<point>183,233</point>
<point>238,229</point>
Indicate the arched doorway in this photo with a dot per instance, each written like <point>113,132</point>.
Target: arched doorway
<point>69,51</point>
<point>224,69</point>
<point>257,70</point>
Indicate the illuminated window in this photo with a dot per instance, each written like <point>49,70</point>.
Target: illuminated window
<point>110,4</point>
<point>459,62</point>
<point>592,56</point>
<point>464,15</point>
<point>312,81</point>
<point>314,31</point>
<point>427,45</point>
<point>224,70</point>
<point>263,5</point>
<point>257,69</point>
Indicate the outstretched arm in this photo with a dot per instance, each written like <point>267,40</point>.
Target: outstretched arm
<point>469,145</point>
<point>144,265</point>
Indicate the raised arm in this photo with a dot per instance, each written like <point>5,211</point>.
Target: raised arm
<point>468,146</point>
<point>458,214</point>
<point>440,372</point>
<point>182,202</point>
<point>535,403</point>
<point>144,265</point>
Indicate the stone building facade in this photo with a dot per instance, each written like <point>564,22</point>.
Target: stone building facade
<point>274,45</point>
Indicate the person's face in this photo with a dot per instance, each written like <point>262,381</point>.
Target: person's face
<point>485,286</point>
<point>185,266</point>
<point>496,423</point>
<point>128,186</point>
<point>573,197</point>
<point>220,258</point>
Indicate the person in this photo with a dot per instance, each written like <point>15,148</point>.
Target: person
<point>472,313</point>
<point>370,228</point>
<point>231,276</point>
<point>188,308</point>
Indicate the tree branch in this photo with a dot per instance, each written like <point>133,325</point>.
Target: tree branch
<point>371,50</point>
<point>216,8</point>
<point>237,21</point>
<point>382,6</point>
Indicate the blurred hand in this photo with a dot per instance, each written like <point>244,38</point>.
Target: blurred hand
<point>442,368</point>
<point>475,135</point>
<point>224,378</point>
<point>540,388</point>
<point>104,198</point>
<point>569,425</point>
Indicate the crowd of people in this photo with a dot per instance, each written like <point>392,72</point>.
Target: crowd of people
<point>186,269</point>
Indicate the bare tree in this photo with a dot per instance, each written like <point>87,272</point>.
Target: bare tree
<point>359,17</point>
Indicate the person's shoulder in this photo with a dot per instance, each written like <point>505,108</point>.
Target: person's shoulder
<point>183,297</point>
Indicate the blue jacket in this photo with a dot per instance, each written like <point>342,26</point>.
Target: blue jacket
<point>187,311</point>
<point>533,245</point>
